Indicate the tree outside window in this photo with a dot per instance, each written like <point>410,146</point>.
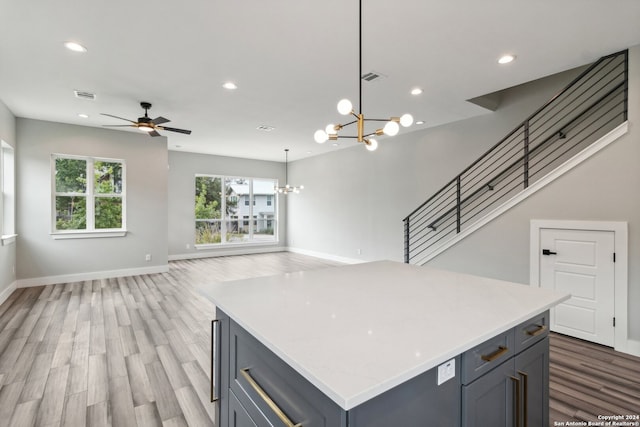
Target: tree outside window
<point>83,204</point>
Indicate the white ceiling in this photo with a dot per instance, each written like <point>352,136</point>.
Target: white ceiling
<point>292,61</point>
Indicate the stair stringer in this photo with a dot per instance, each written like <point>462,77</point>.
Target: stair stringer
<point>556,173</point>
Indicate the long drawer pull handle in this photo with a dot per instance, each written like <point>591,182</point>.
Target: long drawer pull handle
<point>263,394</point>
<point>496,354</point>
<point>516,382</point>
<point>540,329</point>
<point>215,362</point>
<point>525,386</point>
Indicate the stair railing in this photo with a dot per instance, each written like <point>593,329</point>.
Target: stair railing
<point>591,105</point>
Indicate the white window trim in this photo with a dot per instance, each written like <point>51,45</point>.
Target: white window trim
<point>7,212</point>
<point>90,231</point>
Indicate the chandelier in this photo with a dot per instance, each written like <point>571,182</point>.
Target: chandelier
<point>345,107</point>
<point>286,189</point>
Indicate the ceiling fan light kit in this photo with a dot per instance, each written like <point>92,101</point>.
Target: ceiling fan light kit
<point>146,124</point>
<point>345,107</point>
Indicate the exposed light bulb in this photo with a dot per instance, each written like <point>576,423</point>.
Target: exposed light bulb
<point>302,187</point>
<point>406,120</point>
<point>320,136</point>
<point>145,128</point>
<point>345,107</point>
<point>372,145</point>
<point>391,128</point>
<point>330,129</point>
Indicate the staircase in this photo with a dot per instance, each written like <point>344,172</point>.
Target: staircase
<point>589,112</point>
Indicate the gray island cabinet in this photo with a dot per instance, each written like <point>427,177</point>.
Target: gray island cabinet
<point>380,344</point>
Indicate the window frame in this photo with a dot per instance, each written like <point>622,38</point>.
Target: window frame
<point>7,194</point>
<point>249,203</point>
<point>90,200</point>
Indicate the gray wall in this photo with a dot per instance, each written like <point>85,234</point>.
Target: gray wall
<point>146,179</point>
<point>605,188</point>
<point>183,168</point>
<point>356,200</point>
<point>7,253</point>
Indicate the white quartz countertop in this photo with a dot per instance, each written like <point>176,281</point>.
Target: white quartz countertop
<point>356,331</point>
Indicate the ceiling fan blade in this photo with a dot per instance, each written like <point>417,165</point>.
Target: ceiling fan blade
<point>116,117</point>
<point>160,120</point>
<point>188,132</point>
<point>119,126</point>
<point>154,133</point>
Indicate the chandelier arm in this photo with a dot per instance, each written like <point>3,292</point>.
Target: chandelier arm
<point>377,120</point>
<point>350,123</point>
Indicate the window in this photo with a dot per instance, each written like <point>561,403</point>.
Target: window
<point>89,195</point>
<point>7,193</point>
<point>225,207</point>
<point>269,198</point>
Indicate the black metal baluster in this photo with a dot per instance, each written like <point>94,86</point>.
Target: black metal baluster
<point>526,154</point>
<point>458,204</point>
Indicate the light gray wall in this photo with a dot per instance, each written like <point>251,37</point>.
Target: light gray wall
<point>146,179</point>
<point>605,188</point>
<point>356,200</point>
<point>183,168</point>
<point>7,253</point>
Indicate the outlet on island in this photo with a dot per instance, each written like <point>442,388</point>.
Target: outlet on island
<point>147,257</point>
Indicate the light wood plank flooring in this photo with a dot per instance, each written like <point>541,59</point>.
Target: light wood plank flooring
<point>131,351</point>
<point>134,351</point>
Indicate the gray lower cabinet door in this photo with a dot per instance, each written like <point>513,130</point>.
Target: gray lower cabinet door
<point>238,416</point>
<point>489,400</point>
<point>532,367</point>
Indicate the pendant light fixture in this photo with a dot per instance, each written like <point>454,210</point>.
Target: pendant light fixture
<point>286,189</point>
<point>345,107</point>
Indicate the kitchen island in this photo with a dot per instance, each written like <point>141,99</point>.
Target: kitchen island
<point>381,343</point>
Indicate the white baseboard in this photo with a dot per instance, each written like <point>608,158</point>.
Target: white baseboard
<point>7,292</point>
<point>226,252</point>
<point>94,275</point>
<point>323,255</point>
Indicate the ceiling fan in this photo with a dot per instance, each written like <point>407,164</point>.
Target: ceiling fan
<point>146,124</point>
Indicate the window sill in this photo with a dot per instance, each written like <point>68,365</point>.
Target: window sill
<point>87,234</point>
<point>208,246</point>
<point>8,239</point>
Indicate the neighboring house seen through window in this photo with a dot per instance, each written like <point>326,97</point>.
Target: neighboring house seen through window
<point>224,207</point>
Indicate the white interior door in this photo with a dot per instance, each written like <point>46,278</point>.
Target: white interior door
<point>580,262</point>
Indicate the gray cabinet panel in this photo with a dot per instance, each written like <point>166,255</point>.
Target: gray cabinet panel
<point>532,366</point>
<point>238,416</point>
<point>489,400</point>
<point>416,403</point>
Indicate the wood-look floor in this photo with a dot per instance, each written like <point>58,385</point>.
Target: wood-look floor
<point>134,351</point>
<point>588,380</point>
<point>131,351</point>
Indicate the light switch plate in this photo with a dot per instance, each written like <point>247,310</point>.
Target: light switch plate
<point>446,371</point>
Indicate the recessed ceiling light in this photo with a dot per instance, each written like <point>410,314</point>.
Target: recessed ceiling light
<point>420,122</point>
<point>83,115</point>
<point>506,59</point>
<point>416,91</point>
<point>76,47</point>
<point>230,86</point>
<point>335,144</point>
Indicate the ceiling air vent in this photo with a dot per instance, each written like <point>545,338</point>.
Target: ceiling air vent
<point>84,95</point>
<point>265,128</point>
<point>372,75</point>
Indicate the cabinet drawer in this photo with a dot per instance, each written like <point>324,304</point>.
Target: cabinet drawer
<point>531,331</point>
<point>486,356</point>
<point>261,380</point>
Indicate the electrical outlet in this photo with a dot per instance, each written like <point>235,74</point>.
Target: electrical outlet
<point>188,246</point>
<point>147,257</point>
<point>359,251</point>
<point>446,371</point>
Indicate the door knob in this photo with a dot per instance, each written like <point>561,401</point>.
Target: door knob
<point>548,252</point>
